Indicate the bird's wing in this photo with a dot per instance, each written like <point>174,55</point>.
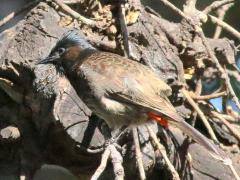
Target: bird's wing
<point>142,95</point>
<point>131,82</point>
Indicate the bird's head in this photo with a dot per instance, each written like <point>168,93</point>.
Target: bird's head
<point>67,49</point>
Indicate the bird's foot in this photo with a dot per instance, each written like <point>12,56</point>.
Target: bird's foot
<point>116,134</point>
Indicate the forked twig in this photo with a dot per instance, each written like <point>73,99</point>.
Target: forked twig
<point>201,115</point>
<point>138,154</point>
<point>117,163</point>
<point>110,152</point>
<point>103,164</point>
<point>221,14</point>
<point>163,152</point>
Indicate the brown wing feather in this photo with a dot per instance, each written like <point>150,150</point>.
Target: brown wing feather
<point>116,67</point>
<point>130,82</point>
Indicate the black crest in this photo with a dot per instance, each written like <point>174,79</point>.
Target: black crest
<point>73,38</point>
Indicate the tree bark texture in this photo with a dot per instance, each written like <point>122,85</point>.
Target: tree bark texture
<point>44,121</point>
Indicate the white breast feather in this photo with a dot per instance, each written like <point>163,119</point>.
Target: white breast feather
<point>112,105</point>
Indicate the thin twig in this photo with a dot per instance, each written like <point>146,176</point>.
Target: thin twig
<point>138,154</point>
<point>234,171</point>
<point>225,26</point>
<point>230,118</point>
<point>216,5</point>
<point>74,124</point>
<point>234,74</point>
<point>221,13</point>
<point>198,91</point>
<point>163,152</point>
<point>103,164</point>
<point>11,90</point>
<point>232,113</point>
<point>198,30</point>
<point>90,151</point>
<point>76,103</point>
<point>123,27</point>
<point>210,96</point>
<point>175,9</point>
<point>117,163</point>
<point>228,162</point>
<point>71,1</point>
<point>74,14</point>
<point>13,14</point>
<point>220,68</point>
<point>227,124</point>
<point>201,115</point>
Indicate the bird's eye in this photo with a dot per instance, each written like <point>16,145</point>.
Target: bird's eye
<point>61,51</point>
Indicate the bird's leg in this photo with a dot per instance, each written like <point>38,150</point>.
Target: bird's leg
<point>115,135</point>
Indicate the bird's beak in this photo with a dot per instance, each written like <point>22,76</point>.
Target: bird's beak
<point>48,60</point>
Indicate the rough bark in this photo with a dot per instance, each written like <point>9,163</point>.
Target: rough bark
<point>54,126</point>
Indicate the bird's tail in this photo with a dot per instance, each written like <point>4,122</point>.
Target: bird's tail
<point>187,129</point>
<point>197,136</point>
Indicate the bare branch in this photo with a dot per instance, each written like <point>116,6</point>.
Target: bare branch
<point>233,113</point>
<point>234,74</point>
<point>221,13</point>
<point>201,115</point>
<point>175,9</point>
<point>90,151</point>
<point>228,162</point>
<point>220,68</point>
<point>74,14</point>
<point>138,154</point>
<point>227,124</point>
<point>117,163</point>
<point>123,26</point>
<point>215,5</point>
<point>10,89</point>
<point>103,164</point>
<point>225,26</point>
<point>71,1</point>
<point>210,96</point>
<point>163,152</point>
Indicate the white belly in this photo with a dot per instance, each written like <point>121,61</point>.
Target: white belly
<point>118,114</point>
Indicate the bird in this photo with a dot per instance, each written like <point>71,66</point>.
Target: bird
<point>120,91</point>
